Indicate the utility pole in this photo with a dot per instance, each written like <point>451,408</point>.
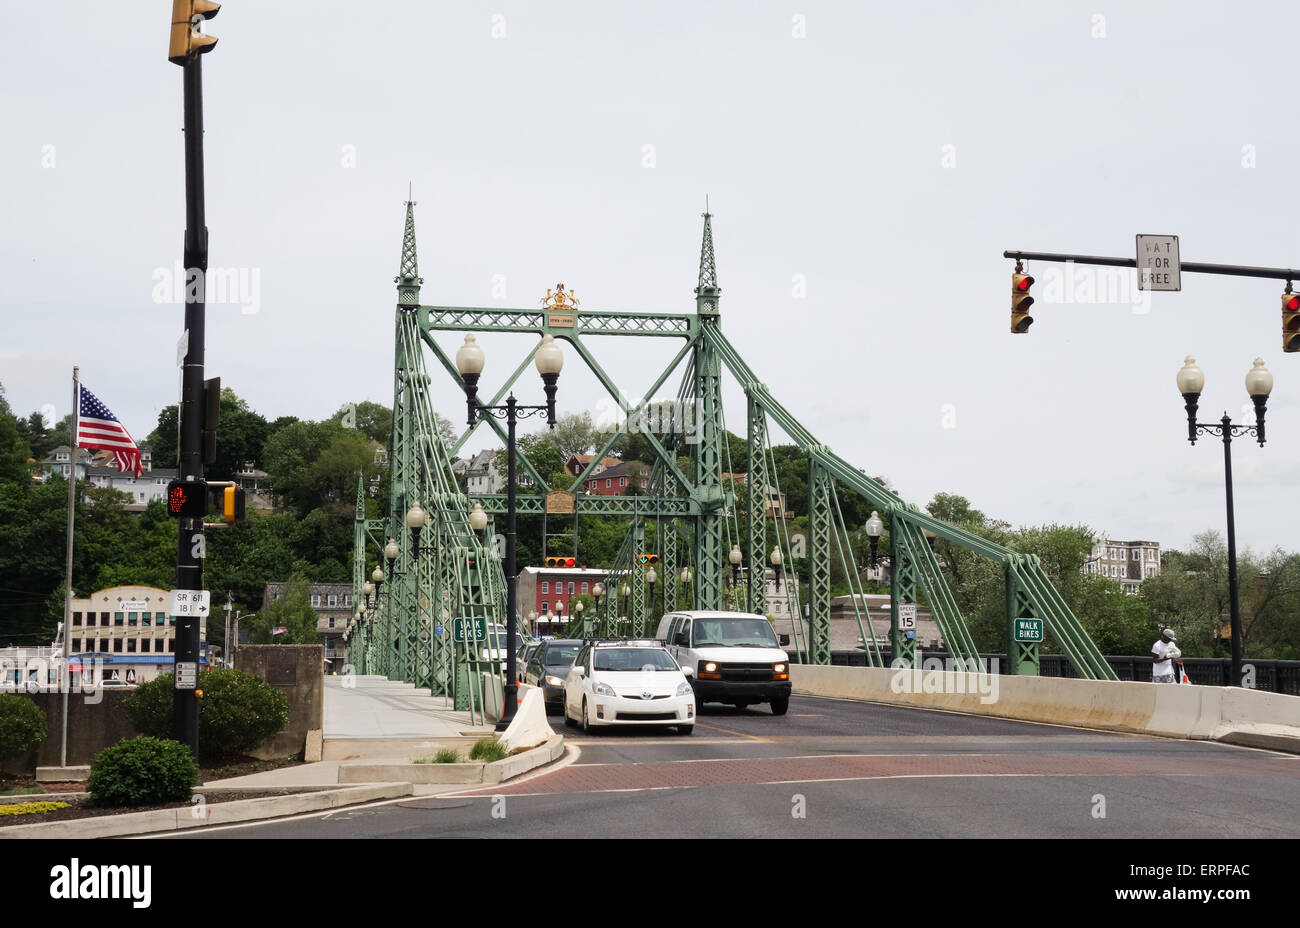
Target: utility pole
<point>186,45</point>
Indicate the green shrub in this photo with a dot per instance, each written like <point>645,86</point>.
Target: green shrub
<point>487,750</point>
<point>142,771</point>
<point>237,711</point>
<point>22,726</point>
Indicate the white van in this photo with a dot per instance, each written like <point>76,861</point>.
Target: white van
<point>731,657</point>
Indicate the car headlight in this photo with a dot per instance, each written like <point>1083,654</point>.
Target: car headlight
<point>554,681</point>
<point>603,689</point>
<point>684,689</point>
<point>778,668</point>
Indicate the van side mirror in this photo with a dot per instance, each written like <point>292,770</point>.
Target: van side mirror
<point>688,670</point>
<point>785,640</point>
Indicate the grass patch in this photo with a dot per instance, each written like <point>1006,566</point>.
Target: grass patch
<point>23,791</point>
<point>30,808</point>
<point>444,756</point>
<point>488,750</point>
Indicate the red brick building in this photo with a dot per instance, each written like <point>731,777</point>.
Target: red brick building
<point>551,590</point>
<point>577,463</point>
<point>614,481</point>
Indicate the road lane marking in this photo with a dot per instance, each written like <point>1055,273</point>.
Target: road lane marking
<point>737,733</point>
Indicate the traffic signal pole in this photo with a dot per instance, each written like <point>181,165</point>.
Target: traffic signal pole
<point>1195,267</point>
<point>186,45</point>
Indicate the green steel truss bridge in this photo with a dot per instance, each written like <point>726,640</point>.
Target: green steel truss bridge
<point>696,517</point>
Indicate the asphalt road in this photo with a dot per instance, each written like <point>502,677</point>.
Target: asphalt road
<point>833,768</point>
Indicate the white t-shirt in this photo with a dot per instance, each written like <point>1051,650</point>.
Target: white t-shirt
<point>1159,649</point>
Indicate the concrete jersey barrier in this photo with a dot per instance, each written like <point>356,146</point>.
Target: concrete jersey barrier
<point>1229,714</point>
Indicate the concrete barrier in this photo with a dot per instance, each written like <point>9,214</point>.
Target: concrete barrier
<point>1228,714</point>
<point>529,727</point>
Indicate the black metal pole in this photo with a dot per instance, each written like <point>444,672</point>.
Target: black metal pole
<point>189,566</point>
<point>1232,554</point>
<point>1195,267</point>
<point>510,691</point>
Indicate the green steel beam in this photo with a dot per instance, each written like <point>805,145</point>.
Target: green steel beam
<point>584,322</point>
<point>819,564</point>
<point>757,484</point>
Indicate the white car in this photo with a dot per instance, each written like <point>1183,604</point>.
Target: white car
<point>628,683</point>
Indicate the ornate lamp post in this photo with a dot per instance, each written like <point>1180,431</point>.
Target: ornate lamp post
<point>577,614</point>
<point>469,362</point>
<point>775,558</point>
<point>686,583</point>
<point>532,621</point>
<point>391,553</point>
<point>415,522</point>
<point>651,577</point>
<point>377,575</point>
<point>874,527</point>
<point>478,519</point>
<point>368,589</point>
<point>626,590</point>
<point>1259,383</point>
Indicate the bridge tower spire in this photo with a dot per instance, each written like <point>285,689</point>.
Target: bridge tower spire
<point>709,492</point>
<point>408,277</point>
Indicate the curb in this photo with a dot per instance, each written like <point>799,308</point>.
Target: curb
<point>474,774</point>
<point>244,810</point>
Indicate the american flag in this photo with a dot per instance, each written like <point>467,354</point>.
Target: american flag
<point>99,428</point>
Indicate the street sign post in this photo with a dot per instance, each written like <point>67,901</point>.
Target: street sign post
<point>189,603</point>
<point>1029,630</point>
<point>1158,263</point>
<point>187,675</point>
<point>907,616</point>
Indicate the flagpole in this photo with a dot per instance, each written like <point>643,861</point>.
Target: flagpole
<point>67,584</point>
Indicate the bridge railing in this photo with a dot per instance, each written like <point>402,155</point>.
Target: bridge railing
<point>1273,676</point>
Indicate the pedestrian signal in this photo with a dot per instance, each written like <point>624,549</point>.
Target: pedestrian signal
<point>232,504</point>
<point>647,559</point>
<point>1020,303</point>
<point>1291,321</point>
<point>187,499</point>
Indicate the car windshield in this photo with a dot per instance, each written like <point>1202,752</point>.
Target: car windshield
<point>633,659</point>
<point>561,656</point>
<point>734,633</point>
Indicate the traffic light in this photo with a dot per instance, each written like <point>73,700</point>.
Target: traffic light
<point>560,562</point>
<point>1290,321</point>
<point>232,504</point>
<point>471,562</point>
<point>1021,301</point>
<point>647,559</point>
<point>187,499</point>
<point>186,40</point>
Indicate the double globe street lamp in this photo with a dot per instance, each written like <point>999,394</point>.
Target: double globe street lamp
<point>469,362</point>
<point>1259,384</point>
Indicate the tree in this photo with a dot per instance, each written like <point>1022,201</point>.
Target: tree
<point>573,434</point>
<point>163,439</point>
<point>292,611</point>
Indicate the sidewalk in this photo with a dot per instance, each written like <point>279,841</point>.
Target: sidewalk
<point>374,721</point>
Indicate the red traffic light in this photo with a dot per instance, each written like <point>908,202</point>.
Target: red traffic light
<point>1292,301</point>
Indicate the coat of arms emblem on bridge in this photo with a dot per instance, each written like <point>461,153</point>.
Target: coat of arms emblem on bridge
<point>560,307</point>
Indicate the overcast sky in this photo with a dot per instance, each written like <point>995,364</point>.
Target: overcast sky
<point>866,164</point>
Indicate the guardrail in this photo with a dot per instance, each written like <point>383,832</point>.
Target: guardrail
<point>1272,676</point>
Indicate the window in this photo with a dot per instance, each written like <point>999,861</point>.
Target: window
<point>331,621</point>
<point>117,645</point>
<point>315,600</point>
<point>144,645</point>
<point>130,646</point>
<point>76,644</point>
<point>584,586</point>
<point>76,618</point>
<point>171,646</point>
<point>332,600</point>
<point>546,586</point>
<point>146,618</point>
<point>1137,554</point>
<point>90,618</point>
<point>160,618</point>
<point>622,481</point>
<point>544,609</point>
<point>608,481</point>
<point>570,587</point>
<point>1123,571</point>
<point>118,618</point>
<point>347,599</point>
<point>172,622</point>
<point>133,618</point>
